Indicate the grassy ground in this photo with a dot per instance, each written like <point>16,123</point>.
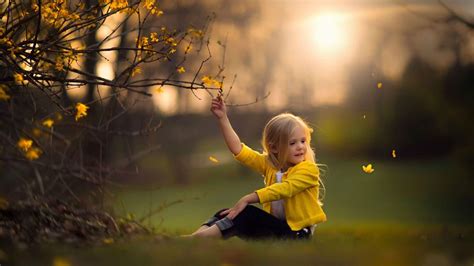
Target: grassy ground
<point>344,246</point>
<point>405,213</point>
<point>407,193</point>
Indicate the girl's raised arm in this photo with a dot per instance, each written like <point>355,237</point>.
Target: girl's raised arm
<point>232,140</point>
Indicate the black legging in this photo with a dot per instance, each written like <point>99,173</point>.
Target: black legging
<point>254,223</point>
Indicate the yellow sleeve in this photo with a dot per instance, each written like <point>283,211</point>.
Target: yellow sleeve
<point>252,159</point>
<point>304,176</point>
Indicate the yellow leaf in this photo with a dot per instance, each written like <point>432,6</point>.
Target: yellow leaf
<point>108,240</point>
<point>394,155</point>
<point>48,122</point>
<point>159,90</point>
<point>154,37</point>
<point>33,154</point>
<point>379,85</point>
<point>3,94</point>
<point>213,159</point>
<point>136,71</point>
<point>181,70</point>
<point>206,80</point>
<point>18,78</point>
<point>81,110</point>
<point>24,144</point>
<point>368,169</point>
<point>58,261</point>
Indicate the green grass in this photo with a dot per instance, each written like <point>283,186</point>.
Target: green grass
<point>405,213</point>
<point>340,246</point>
<point>412,193</point>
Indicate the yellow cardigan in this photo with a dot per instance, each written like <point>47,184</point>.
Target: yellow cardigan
<point>299,188</point>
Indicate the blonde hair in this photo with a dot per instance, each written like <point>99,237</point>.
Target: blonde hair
<point>276,136</point>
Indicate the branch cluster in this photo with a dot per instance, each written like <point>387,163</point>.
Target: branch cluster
<point>49,48</point>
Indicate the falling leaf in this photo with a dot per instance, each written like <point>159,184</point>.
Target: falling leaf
<point>368,169</point>
<point>394,155</point>
<point>379,85</point>
<point>58,261</point>
<point>213,159</point>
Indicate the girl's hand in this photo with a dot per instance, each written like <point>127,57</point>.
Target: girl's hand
<point>218,107</point>
<point>240,205</point>
<point>234,211</point>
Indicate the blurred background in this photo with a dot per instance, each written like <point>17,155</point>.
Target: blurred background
<point>388,83</point>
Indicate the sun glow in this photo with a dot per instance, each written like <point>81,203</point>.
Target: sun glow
<point>329,32</point>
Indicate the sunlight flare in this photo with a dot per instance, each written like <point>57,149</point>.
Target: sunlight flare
<point>329,32</point>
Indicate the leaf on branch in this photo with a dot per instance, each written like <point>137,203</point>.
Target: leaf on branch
<point>33,154</point>
<point>181,70</point>
<point>19,79</point>
<point>24,144</point>
<point>209,81</point>
<point>48,122</point>
<point>159,90</point>
<point>81,110</point>
<point>136,71</point>
<point>3,94</point>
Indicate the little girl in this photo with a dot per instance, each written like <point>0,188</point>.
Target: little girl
<point>290,198</point>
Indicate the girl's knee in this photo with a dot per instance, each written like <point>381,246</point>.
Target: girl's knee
<point>218,213</point>
<point>248,211</point>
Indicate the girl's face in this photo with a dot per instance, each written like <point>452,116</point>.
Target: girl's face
<point>296,147</point>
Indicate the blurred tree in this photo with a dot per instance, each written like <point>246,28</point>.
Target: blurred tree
<point>424,112</point>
